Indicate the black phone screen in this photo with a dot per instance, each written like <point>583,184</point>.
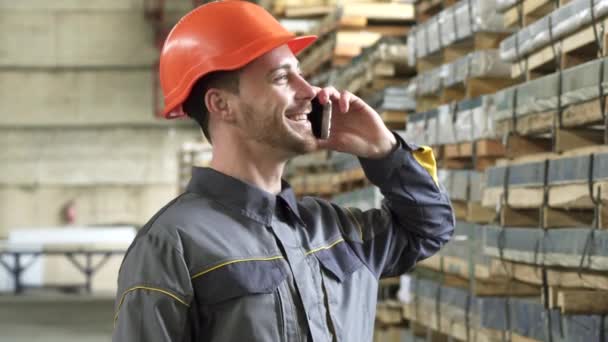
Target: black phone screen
<point>316,117</point>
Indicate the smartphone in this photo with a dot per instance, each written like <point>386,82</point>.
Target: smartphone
<point>320,118</point>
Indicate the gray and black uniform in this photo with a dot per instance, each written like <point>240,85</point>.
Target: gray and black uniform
<point>226,261</point>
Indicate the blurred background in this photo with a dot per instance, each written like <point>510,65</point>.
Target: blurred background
<point>85,158</point>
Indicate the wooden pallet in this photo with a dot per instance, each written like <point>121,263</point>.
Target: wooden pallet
<point>313,168</point>
<point>381,83</point>
<point>518,338</point>
<point>472,212</point>
<point>577,48</point>
<point>318,55</point>
<point>575,133</point>
<point>384,69</point>
<point>539,256</point>
<point>476,42</point>
<point>328,184</point>
<point>460,155</point>
<point>455,266</point>
<point>529,11</point>
<point>311,162</point>
<point>551,218</point>
<point>483,148</point>
<point>388,30</point>
<point>518,146</point>
<point>536,9</point>
<point>569,205</point>
<point>427,63</point>
<point>569,202</point>
<point>578,302</point>
<point>325,24</point>
<point>389,333</point>
<point>429,8</point>
<point>456,274</point>
<point>442,328</point>
<point>474,87</point>
<point>438,151</point>
<point>556,277</point>
<point>394,119</point>
<point>427,334</point>
<point>389,313</point>
<point>524,207</point>
<point>303,11</point>
<point>350,44</point>
<point>480,164</point>
<point>379,27</point>
<point>347,185</point>
<point>427,102</point>
<point>392,73</point>
<point>476,213</point>
<point>495,287</point>
<point>390,12</point>
<point>513,18</point>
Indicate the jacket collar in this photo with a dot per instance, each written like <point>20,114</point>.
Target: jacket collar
<point>250,200</point>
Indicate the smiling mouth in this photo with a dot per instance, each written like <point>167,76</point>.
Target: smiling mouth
<point>298,117</point>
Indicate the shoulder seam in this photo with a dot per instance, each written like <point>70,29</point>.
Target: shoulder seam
<point>146,228</point>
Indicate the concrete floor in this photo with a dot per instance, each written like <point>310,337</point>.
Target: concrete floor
<point>55,318</point>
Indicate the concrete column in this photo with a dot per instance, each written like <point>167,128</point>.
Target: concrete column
<point>77,121</point>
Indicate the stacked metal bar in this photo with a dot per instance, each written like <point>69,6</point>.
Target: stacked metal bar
<point>558,24</point>
<point>318,57</point>
<point>543,256</point>
<point>453,24</point>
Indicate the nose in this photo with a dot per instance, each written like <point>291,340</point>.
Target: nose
<point>304,91</point>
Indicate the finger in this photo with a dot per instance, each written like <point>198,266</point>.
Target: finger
<point>323,95</point>
<point>345,100</point>
<point>316,90</point>
<point>329,93</point>
<point>358,104</point>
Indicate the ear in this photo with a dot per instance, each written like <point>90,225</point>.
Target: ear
<point>218,103</point>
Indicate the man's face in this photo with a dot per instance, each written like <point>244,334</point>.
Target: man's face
<point>274,101</point>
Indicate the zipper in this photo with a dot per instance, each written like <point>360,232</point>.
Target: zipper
<point>282,332</point>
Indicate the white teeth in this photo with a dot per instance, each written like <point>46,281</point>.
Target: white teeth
<point>300,117</point>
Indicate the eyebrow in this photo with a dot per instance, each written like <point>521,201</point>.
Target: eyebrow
<point>284,66</point>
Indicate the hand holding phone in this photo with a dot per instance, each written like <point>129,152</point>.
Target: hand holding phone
<point>320,118</point>
<point>358,128</point>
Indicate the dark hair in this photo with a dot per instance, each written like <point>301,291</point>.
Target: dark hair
<point>194,106</point>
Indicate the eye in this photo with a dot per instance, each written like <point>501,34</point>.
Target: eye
<point>281,77</point>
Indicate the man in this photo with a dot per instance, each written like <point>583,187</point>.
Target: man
<point>237,257</point>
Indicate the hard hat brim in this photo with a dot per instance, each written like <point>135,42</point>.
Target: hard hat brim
<point>296,45</point>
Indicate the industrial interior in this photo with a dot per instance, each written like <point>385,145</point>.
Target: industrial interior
<point>509,94</point>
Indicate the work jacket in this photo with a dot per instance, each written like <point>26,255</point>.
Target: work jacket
<point>227,261</point>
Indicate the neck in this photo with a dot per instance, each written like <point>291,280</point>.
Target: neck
<point>251,164</point>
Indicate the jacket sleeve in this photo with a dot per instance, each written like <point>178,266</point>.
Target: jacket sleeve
<point>154,293</point>
<point>415,219</point>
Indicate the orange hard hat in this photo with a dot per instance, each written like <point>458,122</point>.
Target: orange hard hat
<point>221,35</point>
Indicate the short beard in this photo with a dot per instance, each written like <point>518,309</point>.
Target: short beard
<point>272,131</point>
